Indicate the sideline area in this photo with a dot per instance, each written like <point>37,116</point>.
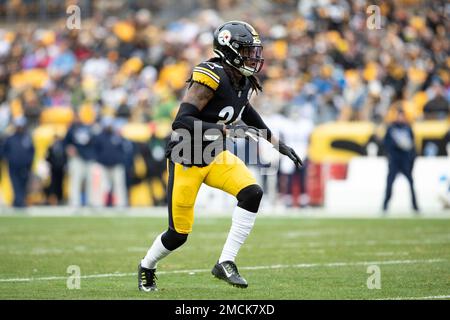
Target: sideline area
<point>66,211</point>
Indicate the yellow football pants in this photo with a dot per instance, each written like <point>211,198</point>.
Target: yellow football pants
<point>227,172</point>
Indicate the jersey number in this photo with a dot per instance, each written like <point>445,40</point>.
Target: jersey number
<point>226,114</point>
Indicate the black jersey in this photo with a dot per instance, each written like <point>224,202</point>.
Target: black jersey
<point>226,106</point>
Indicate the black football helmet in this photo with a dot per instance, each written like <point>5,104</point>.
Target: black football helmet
<point>239,45</point>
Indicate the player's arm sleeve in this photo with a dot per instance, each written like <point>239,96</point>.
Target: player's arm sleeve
<point>252,118</point>
<point>205,75</point>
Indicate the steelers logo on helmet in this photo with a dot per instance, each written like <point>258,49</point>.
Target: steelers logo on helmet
<point>224,37</point>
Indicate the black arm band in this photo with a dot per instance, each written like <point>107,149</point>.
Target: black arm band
<point>187,115</point>
<point>252,118</point>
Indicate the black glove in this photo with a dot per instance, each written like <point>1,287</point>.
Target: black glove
<point>242,131</point>
<point>288,151</point>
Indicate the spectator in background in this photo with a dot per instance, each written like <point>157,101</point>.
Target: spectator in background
<point>276,122</point>
<point>437,107</point>
<point>32,108</point>
<point>401,153</point>
<point>18,151</point>
<point>445,195</point>
<point>5,113</point>
<point>130,150</point>
<point>57,159</point>
<point>110,153</point>
<point>297,130</point>
<point>1,164</point>
<point>156,163</point>
<point>63,63</point>
<point>80,153</point>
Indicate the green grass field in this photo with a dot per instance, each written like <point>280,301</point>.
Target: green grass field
<point>284,258</point>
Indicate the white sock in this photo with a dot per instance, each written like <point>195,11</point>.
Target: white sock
<point>156,252</point>
<point>241,226</point>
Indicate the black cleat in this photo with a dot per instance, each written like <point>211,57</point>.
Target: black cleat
<point>146,279</point>
<point>228,271</point>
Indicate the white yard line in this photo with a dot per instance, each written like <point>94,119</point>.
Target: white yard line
<point>418,298</point>
<point>383,253</point>
<point>278,266</point>
<point>310,245</point>
<point>349,243</point>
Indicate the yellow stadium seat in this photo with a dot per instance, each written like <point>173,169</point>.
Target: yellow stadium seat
<point>352,76</point>
<point>419,100</point>
<point>163,129</point>
<point>333,36</point>
<point>417,75</point>
<point>140,195</point>
<point>175,75</point>
<point>137,132</point>
<point>280,48</point>
<point>16,108</point>
<point>48,38</point>
<point>124,31</point>
<point>417,22</point>
<point>370,72</point>
<point>57,115</point>
<point>87,113</point>
<point>131,66</point>
<point>33,77</point>
<point>43,137</point>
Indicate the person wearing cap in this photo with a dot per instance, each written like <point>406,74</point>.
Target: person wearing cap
<point>110,152</point>
<point>80,159</point>
<point>18,150</point>
<point>401,154</point>
<point>438,107</point>
<point>57,159</point>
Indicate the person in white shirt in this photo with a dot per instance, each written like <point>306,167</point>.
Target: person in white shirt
<point>296,130</point>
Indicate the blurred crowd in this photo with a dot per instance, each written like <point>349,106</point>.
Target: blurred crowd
<point>322,63</point>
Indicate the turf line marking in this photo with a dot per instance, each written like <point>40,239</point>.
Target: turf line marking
<point>417,298</point>
<point>277,266</point>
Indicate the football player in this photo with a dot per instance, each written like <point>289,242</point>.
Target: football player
<point>217,98</point>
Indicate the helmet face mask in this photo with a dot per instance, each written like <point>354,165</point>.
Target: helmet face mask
<point>238,44</point>
<point>252,59</point>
